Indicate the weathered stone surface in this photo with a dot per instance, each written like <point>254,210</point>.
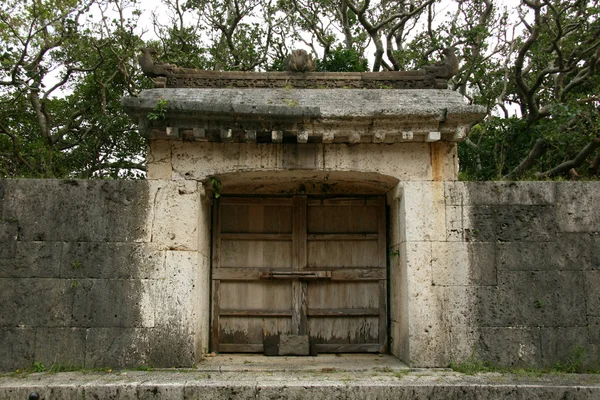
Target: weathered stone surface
<point>594,329</point>
<point>567,346</point>
<point>426,331</point>
<point>118,213</point>
<point>577,209</point>
<point>110,347</point>
<point>405,161</point>
<point>511,346</point>
<point>158,160</point>
<point>512,223</point>
<point>175,214</point>
<point>32,260</point>
<point>293,345</point>
<point>60,346</point>
<point>425,214</point>
<point>303,156</point>
<point>8,238</point>
<point>510,193</point>
<point>35,302</point>
<point>482,261</point>
<point>570,251</point>
<point>111,260</point>
<point>113,303</point>
<point>175,297</point>
<point>112,391</point>
<point>537,298</point>
<point>460,263</point>
<point>199,160</point>
<point>18,347</point>
<point>592,292</point>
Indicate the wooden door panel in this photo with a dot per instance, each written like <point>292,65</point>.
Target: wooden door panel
<point>343,254</point>
<point>299,266</point>
<point>256,218</point>
<point>341,218</point>
<point>256,295</point>
<point>345,330</point>
<point>256,254</point>
<point>246,334</point>
<point>342,295</point>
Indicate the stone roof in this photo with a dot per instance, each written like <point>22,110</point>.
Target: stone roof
<point>304,115</point>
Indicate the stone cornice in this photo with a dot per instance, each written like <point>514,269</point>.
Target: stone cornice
<point>304,116</point>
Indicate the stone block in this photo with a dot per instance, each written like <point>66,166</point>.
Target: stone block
<point>303,156</point>
<point>8,239</point>
<point>512,223</point>
<point>18,348</point>
<point>116,347</point>
<point>510,347</point>
<point>113,303</point>
<point>592,292</point>
<point>111,260</point>
<point>176,299</point>
<point>158,160</point>
<point>450,263</point>
<point>127,205</point>
<point>175,214</point>
<point>482,261</point>
<point>164,391</point>
<point>204,221</point>
<point>405,161</point>
<point>511,193</point>
<point>425,212</point>
<point>111,391</point>
<point>460,263</point>
<point>456,194</point>
<point>69,216</point>
<point>33,260</point>
<point>60,347</point>
<point>566,346</point>
<point>80,211</point>
<point>35,302</point>
<point>199,160</point>
<point>457,223</point>
<point>577,206</point>
<point>594,329</point>
<point>571,251</point>
<point>293,345</point>
<point>444,161</point>
<point>536,298</point>
<point>172,346</point>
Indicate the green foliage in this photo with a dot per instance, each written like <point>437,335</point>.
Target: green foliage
<point>160,110</point>
<point>343,60</point>
<point>64,70</point>
<point>216,186</point>
<point>38,367</point>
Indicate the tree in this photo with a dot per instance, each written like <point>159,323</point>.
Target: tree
<point>534,67</point>
<point>61,78</point>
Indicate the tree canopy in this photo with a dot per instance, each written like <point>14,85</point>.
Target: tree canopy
<point>65,64</point>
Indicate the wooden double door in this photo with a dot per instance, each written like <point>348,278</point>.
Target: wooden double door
<point>299,265</point>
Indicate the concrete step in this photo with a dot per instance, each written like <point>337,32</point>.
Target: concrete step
<point>383,383</point>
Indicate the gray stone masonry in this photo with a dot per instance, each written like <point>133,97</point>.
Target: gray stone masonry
<point>541,241</point>
<point>82,280</point>
<point>116,274</point>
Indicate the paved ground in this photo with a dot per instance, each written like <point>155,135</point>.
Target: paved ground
<point>258,377</point>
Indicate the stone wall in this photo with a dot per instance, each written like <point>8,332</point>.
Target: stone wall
<point>528,292</point>
<point>101,273</point>
<point>116,273</point>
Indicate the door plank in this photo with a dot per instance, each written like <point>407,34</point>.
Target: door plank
<point>230,312</point>
<point>343,312</point>
<point>347,348</point>
<point>281,237</point>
